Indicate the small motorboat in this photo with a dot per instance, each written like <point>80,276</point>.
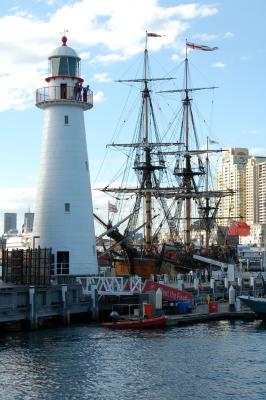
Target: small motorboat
<point>257,304</point>
<point>145,323</point>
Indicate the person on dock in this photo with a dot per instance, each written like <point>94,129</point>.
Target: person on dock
<point>114,316</point>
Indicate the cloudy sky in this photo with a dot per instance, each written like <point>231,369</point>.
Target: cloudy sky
<point>109,36</point>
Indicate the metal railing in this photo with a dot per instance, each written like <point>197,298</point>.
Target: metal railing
<point>111,285</point>
<point>64,93</point>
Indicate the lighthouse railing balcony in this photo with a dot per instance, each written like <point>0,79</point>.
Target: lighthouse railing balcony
<point>64,93</point>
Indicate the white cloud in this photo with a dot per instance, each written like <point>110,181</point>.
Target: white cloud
<point>101,77</point>
<point>211,37</point>
<point>16,199</point>
<point>229,35</point>
<point>206,37</point>
<point>257,151</point>
<point>99,97</point>
<point>108,58</point>
<point>219,64</point>
<point>256,131</point>
<point>176,58</point>
<point>113,30</point>
<point>189,11</point>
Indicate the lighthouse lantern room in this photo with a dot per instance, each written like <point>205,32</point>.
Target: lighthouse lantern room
<point>64,215</point>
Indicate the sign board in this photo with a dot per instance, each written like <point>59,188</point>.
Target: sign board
<point>169,293</point>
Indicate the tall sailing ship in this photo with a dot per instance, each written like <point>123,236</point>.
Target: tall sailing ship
<point>172,184</point>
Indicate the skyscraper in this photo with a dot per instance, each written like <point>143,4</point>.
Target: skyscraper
<point>246,176</point>
<point>261,172</point>
<point>10,222</point>
<point>254,189</point>
<point>231,174</point>
<point>28,222</point>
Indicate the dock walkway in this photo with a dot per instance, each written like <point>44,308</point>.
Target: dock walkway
<point>201,315</point>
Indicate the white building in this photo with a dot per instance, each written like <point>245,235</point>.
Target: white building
<point>257,236</point>
<point>21,242</point>
<point>255,189</point>
<point>261,173</point>
<point>246,176</point>
<point>63,217</point>
<point>231,174</point>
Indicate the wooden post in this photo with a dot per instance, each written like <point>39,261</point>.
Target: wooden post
<point>65,309</point>
<point>95,308</point>
<point>33,312</point>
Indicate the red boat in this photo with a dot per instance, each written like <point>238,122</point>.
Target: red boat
<point>148,323</point>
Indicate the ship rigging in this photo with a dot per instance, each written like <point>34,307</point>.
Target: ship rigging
<point>178,185</point>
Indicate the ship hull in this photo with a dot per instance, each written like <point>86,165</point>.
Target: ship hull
<point>257,304</point>
<point>147,266</point>
<point>149,323</point>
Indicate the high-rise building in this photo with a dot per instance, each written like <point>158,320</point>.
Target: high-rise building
<point>253,195</point>
<point>10,222</point>
<point>261,172</point>
<point>28,222</point>
<point>246,176</point>
<point>231,175</point>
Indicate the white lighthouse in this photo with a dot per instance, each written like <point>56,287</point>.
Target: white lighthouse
<point>63,216</point>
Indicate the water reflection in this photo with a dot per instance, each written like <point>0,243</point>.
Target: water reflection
<point>220,360</point>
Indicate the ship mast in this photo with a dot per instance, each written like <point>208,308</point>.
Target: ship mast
<point>188,188</point>
<point>147,171</point>
<point>145,165</point>
<point>187,175</point>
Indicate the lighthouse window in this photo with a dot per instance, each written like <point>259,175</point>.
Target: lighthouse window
<point>73,67</point>
<point>67,207</point>
<point>64,66</point>
<point>66,120</point>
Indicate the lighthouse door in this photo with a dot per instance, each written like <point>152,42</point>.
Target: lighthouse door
<point>63,91</point>
<point>62,262</point>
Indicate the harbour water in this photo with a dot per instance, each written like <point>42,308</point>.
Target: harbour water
<point>219,360</point>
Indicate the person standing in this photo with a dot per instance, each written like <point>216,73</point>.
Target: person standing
<point>80,91</point>
<point>76,89</point>
<point>85,91</point>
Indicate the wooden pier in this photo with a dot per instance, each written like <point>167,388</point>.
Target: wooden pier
<point>34,304</point>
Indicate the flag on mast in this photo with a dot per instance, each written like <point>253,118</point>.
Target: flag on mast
<point>150,34</point>
<point>211,141</point>
<point>200,47</point>
<point>112,208</point>
<point>238,228</point>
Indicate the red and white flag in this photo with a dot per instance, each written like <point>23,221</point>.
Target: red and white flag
<point>150,34</point>
<point>112,208</point>
<point>200,47</point>
<point>238,228</point>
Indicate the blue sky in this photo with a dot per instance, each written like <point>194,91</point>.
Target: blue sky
<point>109,36</point>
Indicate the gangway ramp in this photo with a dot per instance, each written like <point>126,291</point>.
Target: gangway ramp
<point>118,286</point>
<point>210,261</point>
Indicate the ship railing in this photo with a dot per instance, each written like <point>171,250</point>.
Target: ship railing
<point>65,93</point>
<point>111,285</point>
